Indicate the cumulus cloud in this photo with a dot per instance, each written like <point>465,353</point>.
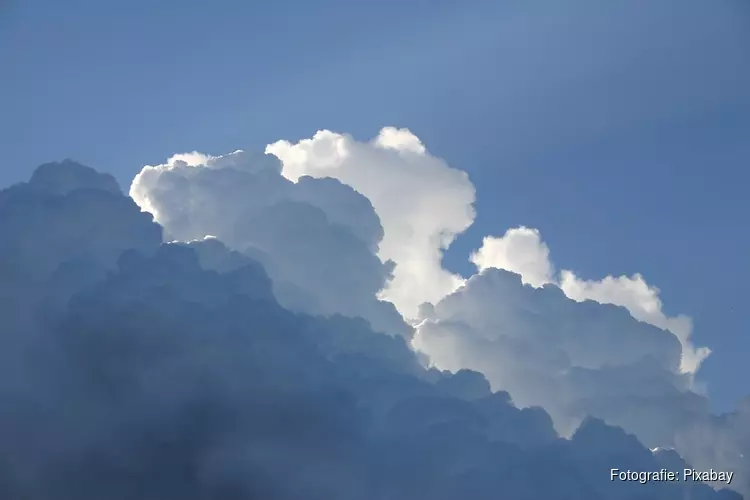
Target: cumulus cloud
<point>248,358</point>
<point>354,228</point>
<point>581,359</point>
<point>316,237</point>
<point>532,342</point>
<point>643,302</point>
<point>422,203</point>
<point>68,221</point>
<point>176,374</point>
<point>521,250</point>
<point>721,441</point>
<point>582,356</point>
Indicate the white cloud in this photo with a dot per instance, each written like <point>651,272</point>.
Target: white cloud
<point>550,351</point>
<point>143,182</point>
<point>521,250</point>
<point>644,304</point>
<point>316,212</point>
<point>223,329</point>
<point>422,203</point>
<point>316,237</point>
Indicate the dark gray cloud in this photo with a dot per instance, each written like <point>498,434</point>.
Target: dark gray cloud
<point>68,223</point>
<point>173,373</point>
<point>632,366</point>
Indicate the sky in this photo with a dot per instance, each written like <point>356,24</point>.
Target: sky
<point>397,162</point>
<point>620,132</point>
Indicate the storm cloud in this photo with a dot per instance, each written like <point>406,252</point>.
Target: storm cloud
<point>576,348</point>
<point>245,342</point>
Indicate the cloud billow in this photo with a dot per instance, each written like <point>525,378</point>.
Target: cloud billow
<point>316,238</point>
<point>252,357</point>
<point>577,348</point>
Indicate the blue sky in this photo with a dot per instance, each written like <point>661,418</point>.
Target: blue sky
<point>621,131</point>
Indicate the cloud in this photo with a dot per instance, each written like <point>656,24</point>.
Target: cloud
<point>584,357</point>
<point>522,251</point>
<point>530,342</point>
<point>316,237</point>
<point>68,221</point>
<point>352,228</point>
<point>177,375</point>
<point>422,203</point>
<point>721,442</point>
<point>580,359</point>
<point>643,302</point>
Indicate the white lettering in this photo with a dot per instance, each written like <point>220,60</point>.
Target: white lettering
<point>710,475</point>
<point>643,477</point>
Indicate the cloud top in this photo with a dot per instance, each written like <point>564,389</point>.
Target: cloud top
<point>169,370</point>
<point>422,203</point>
<point>324,257</point>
